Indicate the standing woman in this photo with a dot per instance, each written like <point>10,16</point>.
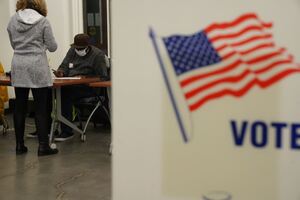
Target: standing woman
<point>31,36</point>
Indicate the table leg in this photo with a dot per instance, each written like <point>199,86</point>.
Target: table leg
<point>54,119</point>
<point>60,117</point>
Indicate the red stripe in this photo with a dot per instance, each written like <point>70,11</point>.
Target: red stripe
<point>243,90</point>
<point>222,47</point>
<point>198,90</point>
<point>235,35</point>
<point>234,79</point>
<point>273,65</point>
<point>250,50</point>
<point>239,20</point>
<point>194,78</point>
<point>251,39</point>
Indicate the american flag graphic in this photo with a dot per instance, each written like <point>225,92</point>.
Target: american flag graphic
<point>224,59</point>
<point>228,59</point>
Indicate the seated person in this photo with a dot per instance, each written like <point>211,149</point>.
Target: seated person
<point>82,59</point>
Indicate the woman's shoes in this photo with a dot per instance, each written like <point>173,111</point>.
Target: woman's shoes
<point>45,150</point>
<point>21,149</point>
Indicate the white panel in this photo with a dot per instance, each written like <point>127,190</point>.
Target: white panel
<point>150,160</point>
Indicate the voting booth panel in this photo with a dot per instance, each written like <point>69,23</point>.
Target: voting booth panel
<point>206,100</point>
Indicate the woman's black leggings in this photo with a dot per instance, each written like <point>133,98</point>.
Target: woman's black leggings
<point>42,112</point>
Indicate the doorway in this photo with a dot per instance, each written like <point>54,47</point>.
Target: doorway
<point>96,23</point>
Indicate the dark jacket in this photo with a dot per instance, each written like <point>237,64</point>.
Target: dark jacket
<point>92,64</point>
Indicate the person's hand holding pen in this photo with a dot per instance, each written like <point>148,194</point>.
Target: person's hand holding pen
<point>58,73</point>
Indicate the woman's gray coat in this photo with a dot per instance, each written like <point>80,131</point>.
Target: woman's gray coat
<point>30,36</point>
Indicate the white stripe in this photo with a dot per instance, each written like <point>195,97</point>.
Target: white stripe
<point>240,38</point>
<point>257,53</point>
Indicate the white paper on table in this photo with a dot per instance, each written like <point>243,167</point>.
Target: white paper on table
<point>67,78</point>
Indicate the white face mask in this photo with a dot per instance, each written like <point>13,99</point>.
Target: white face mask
<point>82,52</point>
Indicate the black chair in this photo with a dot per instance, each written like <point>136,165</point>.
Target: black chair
<point>95,108</point>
